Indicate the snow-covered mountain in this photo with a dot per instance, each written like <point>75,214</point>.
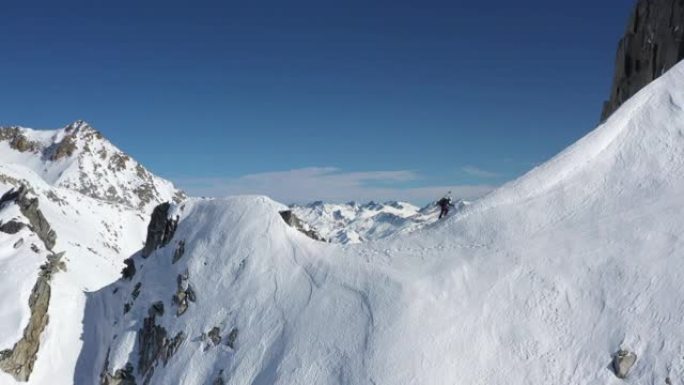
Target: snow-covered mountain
<point>79,158</point>
<point>79,207</point>
<point>354,223</point>
<point>543,281</point>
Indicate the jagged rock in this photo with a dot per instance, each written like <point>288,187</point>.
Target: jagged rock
<point>623,361</point>
<point>65,148</point>
<point>232,337</point>
<point>160,229</point>
<point>153,344</point>
<point>54,264</point>
<point>19,360</point>
<point>11,227</point>
<point>35,248</point>
<point>184,293</point>
<point>178,253</point>
<point>18,243</point>
<point>127,307</point>
<point>123,376</point>
<point>652,44</point>
<point>215,335</point>
<point>129,271</point>
<point>29,208</point>
<point>172,347</point>
<point>293,221</point>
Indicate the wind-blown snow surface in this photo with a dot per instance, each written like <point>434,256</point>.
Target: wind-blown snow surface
<point>538,283</point>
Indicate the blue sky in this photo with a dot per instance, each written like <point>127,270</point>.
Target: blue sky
<point>317,100</point>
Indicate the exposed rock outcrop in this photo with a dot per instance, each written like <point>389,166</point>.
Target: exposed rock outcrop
<point>19,360</point>
<point>17,140</point>
<point>623,361</point>
<point>184,294</point>
<point>122,376</point>
<point>29,208</point>
<point>11,227</point>
<point>154,345</point>
<point>160,230</point>
<point>129,270</point>
<point>293,221</point>
<point>652,44</point>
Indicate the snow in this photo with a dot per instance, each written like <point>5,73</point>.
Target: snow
<point>539,282</point>
<point>96,167</point>
<point>355,223</point>
<point>96,237</point>
<point>18,267</point>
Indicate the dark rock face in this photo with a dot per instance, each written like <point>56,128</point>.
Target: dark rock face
<point>652,44</point>
<point>11,227</point>
<point>160,230</point>
<point>293,221</point>
<point>154,344</point>
<point>129,271</point>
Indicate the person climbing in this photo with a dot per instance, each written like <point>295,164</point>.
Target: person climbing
<point>444,205</point>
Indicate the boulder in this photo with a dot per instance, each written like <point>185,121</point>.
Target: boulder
<point>623,361</point>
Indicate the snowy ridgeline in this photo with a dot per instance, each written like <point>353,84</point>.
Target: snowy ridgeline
<point>355,223</point>
<point>541,282</point>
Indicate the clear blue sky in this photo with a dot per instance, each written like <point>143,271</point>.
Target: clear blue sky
<point>216,95</point>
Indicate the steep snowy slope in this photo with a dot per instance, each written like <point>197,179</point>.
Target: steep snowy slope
<point>96,200</point>
<point>541,282</point>
<point>94,237</point>
<point>79,158</point>
<point>354,223</point>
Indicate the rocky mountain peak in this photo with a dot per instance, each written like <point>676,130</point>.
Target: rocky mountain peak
<point>652,44</point>
<point>80,158</point>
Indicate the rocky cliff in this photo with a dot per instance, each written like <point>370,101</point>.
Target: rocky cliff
<point>652,44</point>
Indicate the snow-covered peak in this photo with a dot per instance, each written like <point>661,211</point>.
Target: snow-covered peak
<point>80,158</point>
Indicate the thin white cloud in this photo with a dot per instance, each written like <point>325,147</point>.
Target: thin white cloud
<point>478,172</point>
<point>328,184</point>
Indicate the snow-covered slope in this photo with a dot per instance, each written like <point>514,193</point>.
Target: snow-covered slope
<point>354,223</point>
<point>538,283</point>
<point>95,237</point>
<point>97,201</point>
<point>79,158</point>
